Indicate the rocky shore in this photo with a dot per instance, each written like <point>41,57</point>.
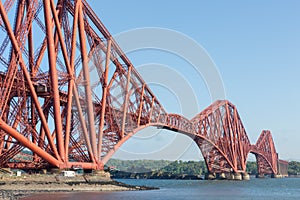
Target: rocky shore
<point>12,188</point>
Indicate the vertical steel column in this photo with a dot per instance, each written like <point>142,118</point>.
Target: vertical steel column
<point>41,141</point>
<point>86,75</point>
<point>141,105</point>
<point>70,71</point>
<point>273,153</point>
<point>71,82</point>
<point>150,114</point>
<point>232,147</point>
<point>104,96</point>
<point>241,145</point>
<point>31,50</point>
<point>32,74</point>
<point>83,126</point>
<point>126,101</point>
<point>60,36</point>
<point>54,79</point>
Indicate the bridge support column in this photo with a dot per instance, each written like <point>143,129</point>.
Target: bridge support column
<point>238,176</point>
<point>229,176</point>
<point>276,176</point>
<point>260,176</point>
<point>221,176</point>
<point>225,176</point>
<point>246,176</point>
<point>210,176</point>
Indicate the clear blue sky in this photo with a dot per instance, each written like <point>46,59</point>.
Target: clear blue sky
<point>255,46</point>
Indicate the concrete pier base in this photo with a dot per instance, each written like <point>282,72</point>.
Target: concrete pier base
<point>246,176</point>
<point>260,176</point>
<point>210,176</point>
<point>276,176</point>
<point>232,176</point>
<point>238,177</point>
<point>221,176</point>
<point>229,176</point>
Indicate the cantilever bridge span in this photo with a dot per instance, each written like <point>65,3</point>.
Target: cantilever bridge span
<point>71,97</point>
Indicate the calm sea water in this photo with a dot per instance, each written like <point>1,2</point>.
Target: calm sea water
<point>287,188</point>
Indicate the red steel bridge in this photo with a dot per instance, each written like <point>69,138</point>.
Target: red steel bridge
<point>52,106</point>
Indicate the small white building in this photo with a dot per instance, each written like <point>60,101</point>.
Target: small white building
<point>68,173</point>
<point>19,173</point>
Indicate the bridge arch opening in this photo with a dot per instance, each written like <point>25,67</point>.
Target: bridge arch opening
<point>263,166</point>
<point>156,143</point>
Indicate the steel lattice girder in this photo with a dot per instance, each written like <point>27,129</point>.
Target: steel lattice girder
<point>71,97</point>
<point>222,138</point>
<point>265,152</point>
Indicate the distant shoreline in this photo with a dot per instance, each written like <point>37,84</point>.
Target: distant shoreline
<point>155,175</point>
<point>19,187</point>
<point>172,176</point>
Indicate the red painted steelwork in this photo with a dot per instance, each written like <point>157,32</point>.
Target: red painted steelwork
<point>222,138</point>
<point>81,102</point>
<point>266,155</point>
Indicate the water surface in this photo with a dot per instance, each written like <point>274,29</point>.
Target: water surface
<point>287,188</point>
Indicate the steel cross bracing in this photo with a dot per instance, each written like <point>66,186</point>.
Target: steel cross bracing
<point>70,97</point>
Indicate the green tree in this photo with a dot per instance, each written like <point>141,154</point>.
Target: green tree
<point>251,167</point>
<point>294,168</point>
